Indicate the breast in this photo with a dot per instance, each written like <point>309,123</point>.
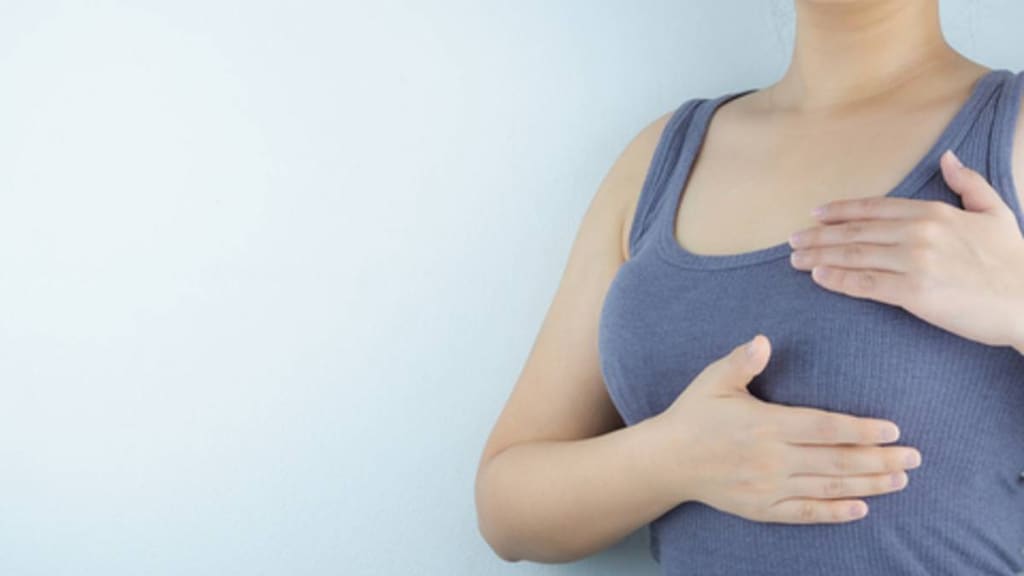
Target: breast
<point>961,403</point>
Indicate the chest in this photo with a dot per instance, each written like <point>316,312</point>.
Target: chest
<point>958,401</point>
<point>754,181</point>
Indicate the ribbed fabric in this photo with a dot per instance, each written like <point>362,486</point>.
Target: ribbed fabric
<point>668,313</point>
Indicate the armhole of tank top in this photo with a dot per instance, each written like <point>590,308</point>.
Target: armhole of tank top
<point>1003,155</point>
<point>652,190</point>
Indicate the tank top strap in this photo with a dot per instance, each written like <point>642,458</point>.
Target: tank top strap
<point>1001,153</point>
<point>666,154</point>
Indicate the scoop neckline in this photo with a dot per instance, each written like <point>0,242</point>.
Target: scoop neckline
<point>909,186</point>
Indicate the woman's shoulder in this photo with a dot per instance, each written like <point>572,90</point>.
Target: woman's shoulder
<point>625,178</point>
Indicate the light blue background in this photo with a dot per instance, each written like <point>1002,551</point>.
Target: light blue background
<point>269,270</point>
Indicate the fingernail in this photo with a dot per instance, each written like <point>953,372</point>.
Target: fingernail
<point>890,434</point>
<point>913,460</point>
<point>750,349</point>
<point>956,159</point>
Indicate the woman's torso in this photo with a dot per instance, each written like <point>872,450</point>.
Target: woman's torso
<point>669,312</point>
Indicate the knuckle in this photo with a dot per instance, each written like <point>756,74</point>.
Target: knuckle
<point>866,281</point>
<point>853,253</point>
<point>872,205</point>
<point>763,432</point>
<point>851,231</point>
<point>806,511</point>
<point>834,486</point>
<point>758,488</point>
<point>752,472</point>
<point>894,464</point>
<point>922,256</point>
<point>840,461</point>
<point>767,468</point>
<point>926,231</point>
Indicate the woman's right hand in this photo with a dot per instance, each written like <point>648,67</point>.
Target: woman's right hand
<point>771,462</point>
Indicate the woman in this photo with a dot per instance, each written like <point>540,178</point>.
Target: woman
<point>897,313</point>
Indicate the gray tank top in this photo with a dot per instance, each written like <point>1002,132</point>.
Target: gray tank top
<point>669,312</point>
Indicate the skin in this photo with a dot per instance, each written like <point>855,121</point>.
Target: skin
<point>923,255</point>
<point>917,254</point>
<point>870,83</point>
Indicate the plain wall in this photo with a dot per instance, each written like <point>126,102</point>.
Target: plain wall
<point>269,270</point>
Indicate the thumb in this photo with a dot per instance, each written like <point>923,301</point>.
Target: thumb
<point>975,193</point>
<point>738,367</point>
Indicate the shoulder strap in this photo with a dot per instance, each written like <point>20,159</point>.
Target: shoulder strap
<point>1002,153</point>
<point>665,155</point>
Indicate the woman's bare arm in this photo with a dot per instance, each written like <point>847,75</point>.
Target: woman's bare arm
<point>560,477</point>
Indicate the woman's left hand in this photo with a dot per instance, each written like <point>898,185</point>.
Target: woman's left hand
<point>959,269</point>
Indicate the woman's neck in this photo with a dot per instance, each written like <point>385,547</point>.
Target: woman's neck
<point>845,53</point>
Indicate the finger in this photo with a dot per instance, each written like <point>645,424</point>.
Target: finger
<point>976,194</point>
<point>737,368</point>
<point>882,208</point>
<point>850,460</point>
<point>892,258</point>
<point>864,231</point>
<point>893,288</point>
<point>810,511</point>
<point>806,425</point>
<point>829,487</point>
